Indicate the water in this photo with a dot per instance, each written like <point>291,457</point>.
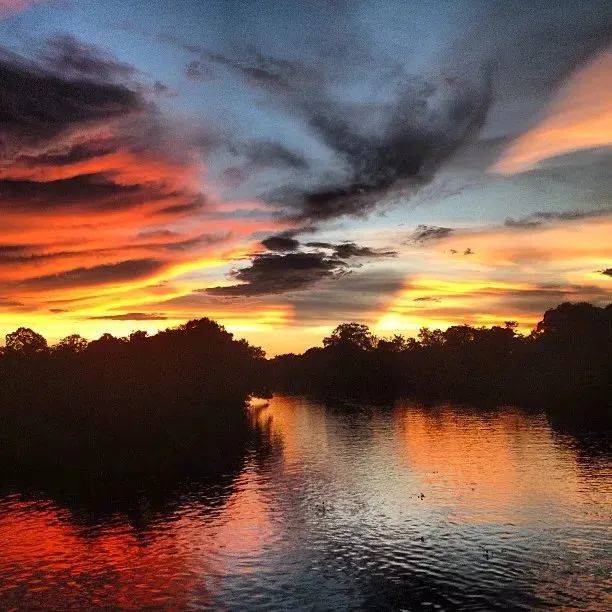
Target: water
<point>373,508</point>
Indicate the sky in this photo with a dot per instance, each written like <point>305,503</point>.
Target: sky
<point>285,167</point>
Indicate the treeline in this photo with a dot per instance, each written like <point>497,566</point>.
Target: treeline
<point>564,364</point>
<point>174,400</point>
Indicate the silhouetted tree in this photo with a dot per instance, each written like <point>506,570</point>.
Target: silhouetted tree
<point>350,336</point>
<point>26,342</point>
<point>73,344</point>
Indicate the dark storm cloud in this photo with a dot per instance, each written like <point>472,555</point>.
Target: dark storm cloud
<point>37,106</point>
<point>73,58</point>
<point>426,233</point>
<point>273,274</point>
<point>105,273</point>
<point>131,316</point>
<point>538,218</point>
<point>420,128</point>
<point>287,240</point>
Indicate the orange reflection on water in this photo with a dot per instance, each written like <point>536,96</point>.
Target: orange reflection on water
<point>47,557</point>
<point>301,432</point>
<point>127,572</point>
<point>501,467</point>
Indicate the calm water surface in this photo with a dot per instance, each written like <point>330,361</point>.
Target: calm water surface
<point>371,508</point>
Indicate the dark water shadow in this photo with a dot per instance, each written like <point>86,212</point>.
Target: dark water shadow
<point>139,491</point>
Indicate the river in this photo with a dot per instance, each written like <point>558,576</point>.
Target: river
<point>336,508</point>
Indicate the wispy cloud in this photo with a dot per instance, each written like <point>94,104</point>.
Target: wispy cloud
<point>579,118</point>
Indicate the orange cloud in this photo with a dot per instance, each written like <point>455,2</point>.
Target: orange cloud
<point>105,211</point>
<point>510,274</point>
<point>579,118</point>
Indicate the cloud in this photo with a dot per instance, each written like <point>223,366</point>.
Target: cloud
<point>346,250</point>
<point>131,316</point>
<point>88,165</point>
<point>538,218</point>
<point>197,71</point>
<point>525,223</point>
<point>256,156</point>
<point>262,154</point>
<point>579,118</point>
<point>196,241</point>
<point>73,58</point>
<point>284,241</point>
<point>418,127</point>
<point>38,105</point>
<point>426,233</point>
<point>607,271</point>
<point>182,209</point>
<point>96,275</point>
<point>154,243</point>
<point>9,303</point>
<point>479,301</point>
<point>386,120</point>
<point>84,191</point>
<point>358,296</point>
<point>273,274</point>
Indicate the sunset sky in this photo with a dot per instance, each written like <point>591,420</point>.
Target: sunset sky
<point>285,167</point>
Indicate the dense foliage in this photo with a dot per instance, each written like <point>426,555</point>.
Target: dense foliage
<point>564,363</point>
<point>126,404</point>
